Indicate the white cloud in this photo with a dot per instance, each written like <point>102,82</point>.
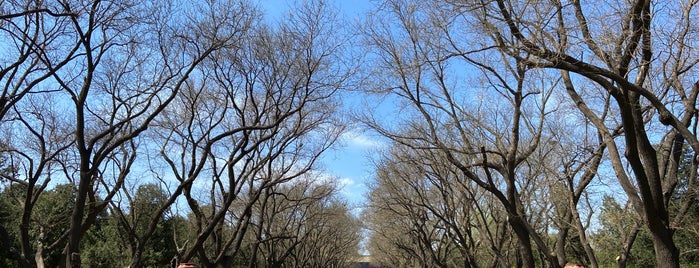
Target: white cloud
<point>346,182</point>
<point>356,138</point>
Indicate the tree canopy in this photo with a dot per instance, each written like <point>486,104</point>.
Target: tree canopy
<point>515,133</point>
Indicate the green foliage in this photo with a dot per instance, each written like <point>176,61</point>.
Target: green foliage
<point>102,246</point>
<point>106,244</point>
<point>159,246</point>
<point>9,215</point>
<point>642,252</point>
<point>52,218</point>
<point>49,220</point>
<point>617,223</point>
<point>9,222</point>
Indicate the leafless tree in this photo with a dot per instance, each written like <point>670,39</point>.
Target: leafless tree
<point>260,116</point>
<point>201,98</point>
<point>422,207</point>
<point>641,56</point>
<point>33,34</point>
<point>129,78</point>
<point>303,224</point>
<point>113,66</point>
<point>403,212</point>
<point>577,167</point>
<point>487,125</point>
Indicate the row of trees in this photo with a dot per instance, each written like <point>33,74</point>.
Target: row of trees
<point>422,214</point>
<point>137,131</point>
<point>299,225</point>
<point>517,118</point>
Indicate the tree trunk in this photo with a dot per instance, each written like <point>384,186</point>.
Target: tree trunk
<point>628,243</point>
<point>525,244</point>
<point>136,256</point>
<point>561,240</point>
<point>643,160</point>
<point>666,253</point>
<point>72,249</point>
<point>39,256</point>
<point>583,240</point>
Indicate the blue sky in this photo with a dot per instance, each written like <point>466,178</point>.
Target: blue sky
<point>350,161</point>
<point>351,8</point>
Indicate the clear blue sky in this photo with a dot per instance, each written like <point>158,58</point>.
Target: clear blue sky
<point>351,8</point>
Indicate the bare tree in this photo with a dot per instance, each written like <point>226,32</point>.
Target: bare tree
<point>138,80</point>
<point>488,138</point>
<point>572,175</point>
<point>260,116</point>
<point>34,158</point>
<point>112,66</point>
<point>441,214</point>
<point>303,224</point>
<point>98,85</point>
<point>333,240</point>
<point>403,211</point>
<point>33,34</point>
<point>621,48</point>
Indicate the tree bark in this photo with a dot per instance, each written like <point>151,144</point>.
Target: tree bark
<point>525,244</point>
